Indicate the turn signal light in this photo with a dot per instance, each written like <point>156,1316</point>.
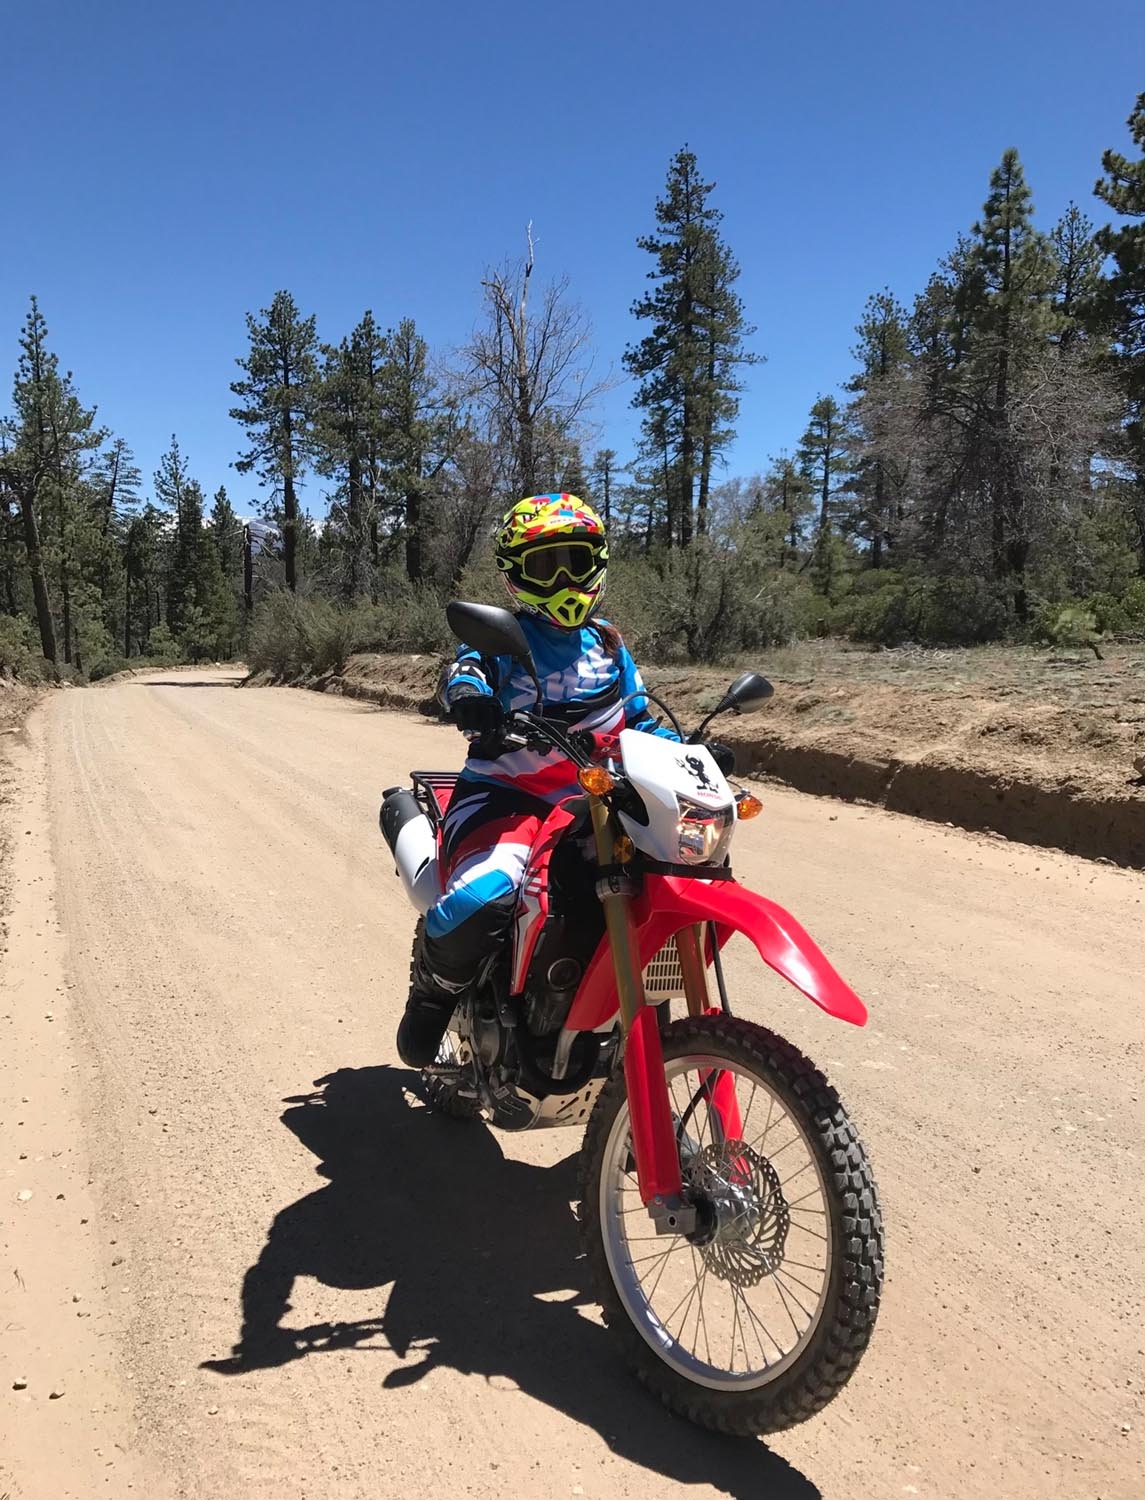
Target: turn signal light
<point>595,780</point>
<point>623,850</point>
<point>748,807</point>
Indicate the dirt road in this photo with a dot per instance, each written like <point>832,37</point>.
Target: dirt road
<point>198,1088</point>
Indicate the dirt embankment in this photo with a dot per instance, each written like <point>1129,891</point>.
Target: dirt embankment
<point>1041,748</point>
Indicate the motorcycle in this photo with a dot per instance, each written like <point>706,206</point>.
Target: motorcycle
<point>729,1215</point>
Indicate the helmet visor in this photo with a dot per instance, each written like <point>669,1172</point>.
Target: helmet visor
<point>576,561</point>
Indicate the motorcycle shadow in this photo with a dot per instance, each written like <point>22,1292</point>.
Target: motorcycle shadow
<point>483,1256</point>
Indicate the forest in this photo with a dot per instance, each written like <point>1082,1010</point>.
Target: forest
<point>978,476</point>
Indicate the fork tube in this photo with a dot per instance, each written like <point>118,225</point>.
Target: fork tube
<point>653,1135</point>
<point>618,921</point>
<point>694,970</point>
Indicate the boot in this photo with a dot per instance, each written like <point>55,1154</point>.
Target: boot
<point>432,1001</point>
<point>423,1027</point>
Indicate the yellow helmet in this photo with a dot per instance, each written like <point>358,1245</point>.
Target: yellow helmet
<point>552,551</point>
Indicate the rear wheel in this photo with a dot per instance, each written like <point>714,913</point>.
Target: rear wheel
<point>754,1322</point>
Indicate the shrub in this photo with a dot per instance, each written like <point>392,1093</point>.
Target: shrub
<point>292,636</point>
<point>19,653</point>
<point>162,646</point>
<point>889,609</point>
<point>705,604</point>
<point>276,643</point>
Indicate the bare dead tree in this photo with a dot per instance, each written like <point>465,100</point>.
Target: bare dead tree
<point>528,368</point>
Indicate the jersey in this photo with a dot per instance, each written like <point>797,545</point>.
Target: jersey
<point>583,685</point>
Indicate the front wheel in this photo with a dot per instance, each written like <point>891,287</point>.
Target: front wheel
<point>757,1319</point>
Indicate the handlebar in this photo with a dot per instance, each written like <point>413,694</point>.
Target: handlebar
<point>524,730</point>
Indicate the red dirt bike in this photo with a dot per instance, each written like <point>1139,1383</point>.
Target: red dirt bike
<point>729,1215</point>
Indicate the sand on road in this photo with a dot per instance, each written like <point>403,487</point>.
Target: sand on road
<point>207,953</point>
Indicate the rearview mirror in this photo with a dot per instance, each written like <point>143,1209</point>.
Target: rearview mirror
<point>747,693</point>
<point>489,629</point>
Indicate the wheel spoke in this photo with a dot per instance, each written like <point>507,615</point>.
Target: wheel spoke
<point>756,1325</point>
<point>711,1314</point>
<point>784,1271</point>
<point>790,1314</point>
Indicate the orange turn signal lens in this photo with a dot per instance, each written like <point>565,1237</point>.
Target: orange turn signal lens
<point>595,780</point>
<point>623,850</point>
<point>748,807</point>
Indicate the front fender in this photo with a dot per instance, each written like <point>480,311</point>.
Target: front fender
<point>668,903</point>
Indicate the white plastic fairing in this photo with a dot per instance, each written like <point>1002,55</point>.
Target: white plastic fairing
<point>671,779</point>
<point>415,854</point>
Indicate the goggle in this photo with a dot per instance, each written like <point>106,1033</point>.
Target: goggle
<point>577,561</point>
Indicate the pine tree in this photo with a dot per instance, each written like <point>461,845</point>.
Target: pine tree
<point>876,510</point>
<point>787,492</point>
<point>181,496</point>
<point>46,470</point>
<point>1076,273</point>
<point>277,411</point>
<point>348,436</point>
<point>1121,300</point>
<point>114,501</point>
<point>418,430</point>
<point>823,458</point>
<point>688,364</point>
<point>602,482</point>
<point>227,535</point>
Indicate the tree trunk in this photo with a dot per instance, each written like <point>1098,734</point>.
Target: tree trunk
<point>999,480</point>
<point>707,452</point>
<point>415,561</point>
<point>880,518</point>
<point>687,479</point>
<point>10,605</point>
<point>354,522</point>
<point>65,588</point>
<point>289,532</point>
<point>526,455</point>
<point>289,500</point>
<point>39,581</point>
<point>248,572</point>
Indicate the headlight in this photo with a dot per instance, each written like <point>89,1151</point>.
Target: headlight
<point>704,833</point>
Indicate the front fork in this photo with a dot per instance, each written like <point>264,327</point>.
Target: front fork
<point>653,1129</point>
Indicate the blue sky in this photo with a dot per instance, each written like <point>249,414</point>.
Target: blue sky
<point>166,168</point>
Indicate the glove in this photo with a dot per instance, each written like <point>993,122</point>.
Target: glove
<point>723,755</point>
<point>476,713</point>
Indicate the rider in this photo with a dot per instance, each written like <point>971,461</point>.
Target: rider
<point>552,552</point>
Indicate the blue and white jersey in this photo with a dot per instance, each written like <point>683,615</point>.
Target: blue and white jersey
<point>583,685</point>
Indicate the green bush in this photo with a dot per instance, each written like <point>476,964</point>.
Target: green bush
<point>19,650</point>
<point>293,636</point>
<point>889,609</point>
<point>162,646</point>
<point>705,604</point>
<point>276,644</point>
<point>1106,613</point>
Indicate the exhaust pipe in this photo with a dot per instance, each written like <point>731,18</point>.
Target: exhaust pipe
<point>410,837</point>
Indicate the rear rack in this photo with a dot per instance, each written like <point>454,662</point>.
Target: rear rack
<point>433,790</point>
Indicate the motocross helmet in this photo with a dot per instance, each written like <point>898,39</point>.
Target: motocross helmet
<point>553,555</point>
